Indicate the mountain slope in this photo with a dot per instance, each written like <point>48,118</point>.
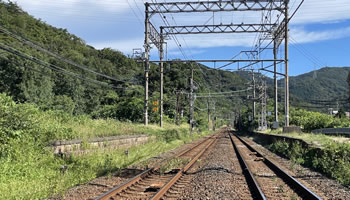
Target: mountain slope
<point>75,91</point>
<point>325,83</point>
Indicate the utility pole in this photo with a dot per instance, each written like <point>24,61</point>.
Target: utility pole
<point>214,117</point>
<point>161,70</point>
<point>275,79</point>
<point>208,114</point>
<point>147,48</point>
<point>191,101</point>
<point>263,109</point>
<point>286,65</point>
<point>253,95</point>
<point>177,108</point>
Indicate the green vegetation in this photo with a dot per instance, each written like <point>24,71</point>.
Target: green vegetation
<point>308,120</point>
<point>30,171</point>
<point>314,120</point>
<point>316,139</point>
<point>325,83</point>
<point>26,81</point>
<point>333,159</point>
<point>174,163</point>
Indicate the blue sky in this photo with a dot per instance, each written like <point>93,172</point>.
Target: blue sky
<point>320,31</point>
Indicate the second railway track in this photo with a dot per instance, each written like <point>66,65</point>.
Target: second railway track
<point>154,183</point>
<point>265,178</point>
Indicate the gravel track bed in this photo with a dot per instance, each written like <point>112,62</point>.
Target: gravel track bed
<point>272,186</point>
<point>217,176</point>
<point>324,187</point>
<point>103,184</point>
<point>147,187</point>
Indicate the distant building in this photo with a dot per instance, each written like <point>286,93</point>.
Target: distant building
<point>347,114</point>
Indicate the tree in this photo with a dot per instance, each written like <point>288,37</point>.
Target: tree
<point>341,113</point>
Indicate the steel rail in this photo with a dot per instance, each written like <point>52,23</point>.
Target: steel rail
<point>254,185</point>
<point>112,192</point>
<point>167,186</point>
<point>294,183</point>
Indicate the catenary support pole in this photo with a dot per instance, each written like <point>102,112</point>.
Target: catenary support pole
<point>161,70</point>
<point>275,79</point>
<point>147,48</point>
<point>286,66</point>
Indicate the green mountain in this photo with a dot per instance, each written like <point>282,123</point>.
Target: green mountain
<point>54,69</point>
<point>57,70</point>
<point>325,83</point>
<point>323,88</point>
<point>316,90</point>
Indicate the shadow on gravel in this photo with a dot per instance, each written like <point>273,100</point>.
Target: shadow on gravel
<point>127,173</point>
<point>310,176</point>
<point>218,169</point>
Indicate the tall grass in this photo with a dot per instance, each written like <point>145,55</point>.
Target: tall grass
<point>29,171</point>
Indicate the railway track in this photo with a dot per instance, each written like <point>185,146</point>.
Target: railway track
<point>266,180</point>
<point>155,182</point>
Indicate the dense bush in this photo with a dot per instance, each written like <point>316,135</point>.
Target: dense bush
<point>314,120</point>
<point>332,160</point>
<point>245,124</point>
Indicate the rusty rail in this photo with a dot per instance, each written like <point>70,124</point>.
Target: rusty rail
<point>294,183</point>
<point>167,186</point>
<point>253,184</point>
<point>114,191</point>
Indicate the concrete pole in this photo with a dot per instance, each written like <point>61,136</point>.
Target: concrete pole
<point>286,66</point>
<point>275,78</point>
<point>177,108</point>
<point>161,70</point>
<point>214,117</point>
<point>208,114</point>
<point>191,101</point>
<point>254,110</point>
<point>147,48</point>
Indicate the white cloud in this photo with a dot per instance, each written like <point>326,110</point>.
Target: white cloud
<point>75,7</point>
<point>125,46</point>
<point>199,43</point>
<point>321,11</point>
<point>312,11</point>
<point>302,36</point>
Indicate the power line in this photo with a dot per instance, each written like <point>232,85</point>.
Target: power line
<point>39,48</point>
<point>52,67</point>
<point>132,9</point>
<point>228,92</point>
<point>306,53</point>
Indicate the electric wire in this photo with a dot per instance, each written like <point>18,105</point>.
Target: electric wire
<point>52,67</point>
<point>61,58</point>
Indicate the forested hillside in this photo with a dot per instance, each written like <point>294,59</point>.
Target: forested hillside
<point>325,87</point>
<point>316,90</point>
<point>56,70</point>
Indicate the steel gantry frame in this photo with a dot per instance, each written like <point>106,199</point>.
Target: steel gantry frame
<point>277,31</point>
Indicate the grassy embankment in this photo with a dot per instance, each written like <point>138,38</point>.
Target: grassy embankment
<point>28,170</point>
<point>329,155</point>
